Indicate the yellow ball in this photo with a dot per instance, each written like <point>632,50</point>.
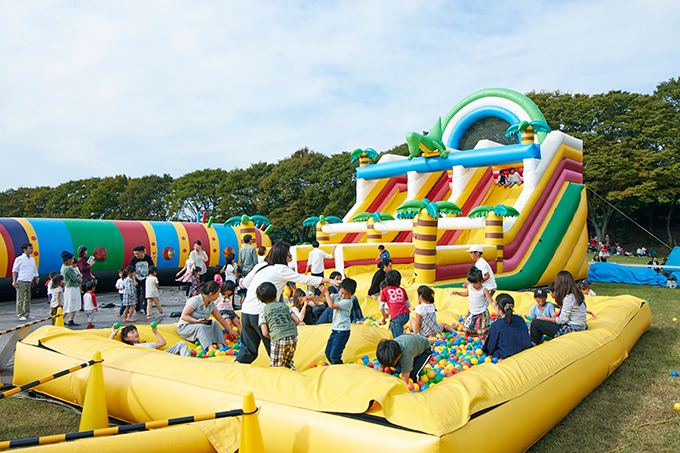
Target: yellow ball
<point>424,379</point>
<point>677,406</point>
<point>478,351</point>
<point>675,319</point>
<point>416,387</point>
<point>431,374</point>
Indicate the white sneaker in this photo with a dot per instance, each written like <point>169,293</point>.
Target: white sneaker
<point>22,318</point>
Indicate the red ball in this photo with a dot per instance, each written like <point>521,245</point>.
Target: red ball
<point>314,365</point>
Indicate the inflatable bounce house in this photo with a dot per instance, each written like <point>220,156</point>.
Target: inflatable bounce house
<point>426,209</point>
<point>110,242</point>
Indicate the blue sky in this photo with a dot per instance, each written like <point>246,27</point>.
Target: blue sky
<point>96,88</point>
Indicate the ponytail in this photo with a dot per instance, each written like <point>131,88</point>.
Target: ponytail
<point>506,304</point>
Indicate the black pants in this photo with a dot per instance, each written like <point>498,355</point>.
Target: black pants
<point>316,290</point>
<point>140,294</point>
<point>418,364</point>
<point>251,335</point>
<point>540,327</point>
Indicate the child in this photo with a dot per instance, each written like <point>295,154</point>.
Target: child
<point>573,313</point>
<point>261,254</point>
<point>120,286</point>
<point>195,288</point>
<point>410,352</point>
<point>300,303</point>
<point>341,304</point>
<point>541,308</point>
<point>513,177</point>
<point>584,286</point>
<point>382,306</point>
<point>129,295</point>
<point>153,295</point>
<point>185,271</point>
<point>218,275</point>
<point>90,303</point>
<point>502,180</point>
<point>488,279</point>
<point>55,291</point>
<point>130,335</point>
<point>477,321</point>
<point>278,322</point>
<point>383,254</point>
<point>397,303</point>
<point>425,322</point>
<point>224,305</point>
<point>230,269</point>
<point>507,336</point>
<point>47,286</point>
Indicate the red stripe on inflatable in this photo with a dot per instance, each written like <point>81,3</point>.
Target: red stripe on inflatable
<point>365,262</point>
<point>134,234</point>
<point>197,232</point>
<point>439,188</point>
<point>10,251</point>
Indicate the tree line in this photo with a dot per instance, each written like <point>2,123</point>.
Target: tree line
<point>631,164</point>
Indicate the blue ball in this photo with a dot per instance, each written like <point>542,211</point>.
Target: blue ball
<point>674,373</point>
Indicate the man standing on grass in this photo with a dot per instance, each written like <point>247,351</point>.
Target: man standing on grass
<point>24,275</point>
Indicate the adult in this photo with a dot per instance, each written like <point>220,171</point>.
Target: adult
<point>72,300</point>
<point>383,268</point>
<point>84,267</point>
<point>489,282</point>
<point>199,258</point>
<point>141,262</point>
<point>24,275</point>
<point>315,263</point>
<point>655,265</point>
<point>276,271</point>
<point>572,317</point>
<point>247,255</point>
<point>195,323</point>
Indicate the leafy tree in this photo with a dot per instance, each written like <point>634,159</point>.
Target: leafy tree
<point>145,198</point>
<point>104,201</point>
<point>196,192</point>
<point>240,191</point>
<point>67,200</point>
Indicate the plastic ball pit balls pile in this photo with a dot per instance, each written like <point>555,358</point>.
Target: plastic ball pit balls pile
<point>452,354</point>
<point>231,348</point>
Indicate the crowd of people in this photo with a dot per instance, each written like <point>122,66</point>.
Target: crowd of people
<point>269,281</point>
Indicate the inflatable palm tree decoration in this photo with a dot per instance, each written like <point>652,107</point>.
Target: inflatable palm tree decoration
<point>430,144</point>
<point>493,232</point>
<point>527,130</point>
<point>365,156</point>
<point>247,225</point>
<point>320,221</point>
<point>425,233</point>
<point>370,218</point>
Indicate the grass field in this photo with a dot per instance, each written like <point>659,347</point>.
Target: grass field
<point>640,391</point>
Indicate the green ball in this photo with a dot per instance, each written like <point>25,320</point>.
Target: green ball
<point>154,325</point>
<point>116,325</point>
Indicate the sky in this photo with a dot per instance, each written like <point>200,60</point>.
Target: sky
<point>98,88</point>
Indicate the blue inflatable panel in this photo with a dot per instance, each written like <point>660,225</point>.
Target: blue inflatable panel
<point>614,273</point>
<point>674,257</point>
<point>501,155</point>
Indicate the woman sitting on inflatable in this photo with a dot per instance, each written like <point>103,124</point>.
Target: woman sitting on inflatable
<point>195,323</point>
<point>572,317</point>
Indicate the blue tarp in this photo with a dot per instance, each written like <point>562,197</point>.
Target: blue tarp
<point>614,273</point>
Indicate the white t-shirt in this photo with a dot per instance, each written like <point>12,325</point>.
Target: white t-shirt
<point>199,261</point>
<point>57,295</point>
<point>478,302</point>
<point>260,258</point>
<point>423,309</point>
<point>229,273</point>
<point>146,345</point>
<point>87,302</point>
<point>513,177</point>
<point>279,275</point>
<point>120,284</point>
<point>483,266</point>
<point>315,260</point>
<point>152,287</point>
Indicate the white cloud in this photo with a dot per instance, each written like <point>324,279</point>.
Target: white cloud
<point>101,88</point>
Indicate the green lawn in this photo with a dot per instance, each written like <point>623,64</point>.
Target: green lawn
<point>24,418</point>
<point>640,391</point>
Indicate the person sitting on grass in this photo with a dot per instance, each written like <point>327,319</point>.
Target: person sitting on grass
<point>130,335</point>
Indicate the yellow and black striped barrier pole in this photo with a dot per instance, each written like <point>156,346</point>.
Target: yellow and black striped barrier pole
<point>16,390</point>
<point>37,321</point>
<point>120,429</point>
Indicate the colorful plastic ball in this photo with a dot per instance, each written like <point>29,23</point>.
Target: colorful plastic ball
<point>677,406</point>
<point>675,319</point>
<point>116,325</point>
<point>674,373</point>
<point>154,325</point>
